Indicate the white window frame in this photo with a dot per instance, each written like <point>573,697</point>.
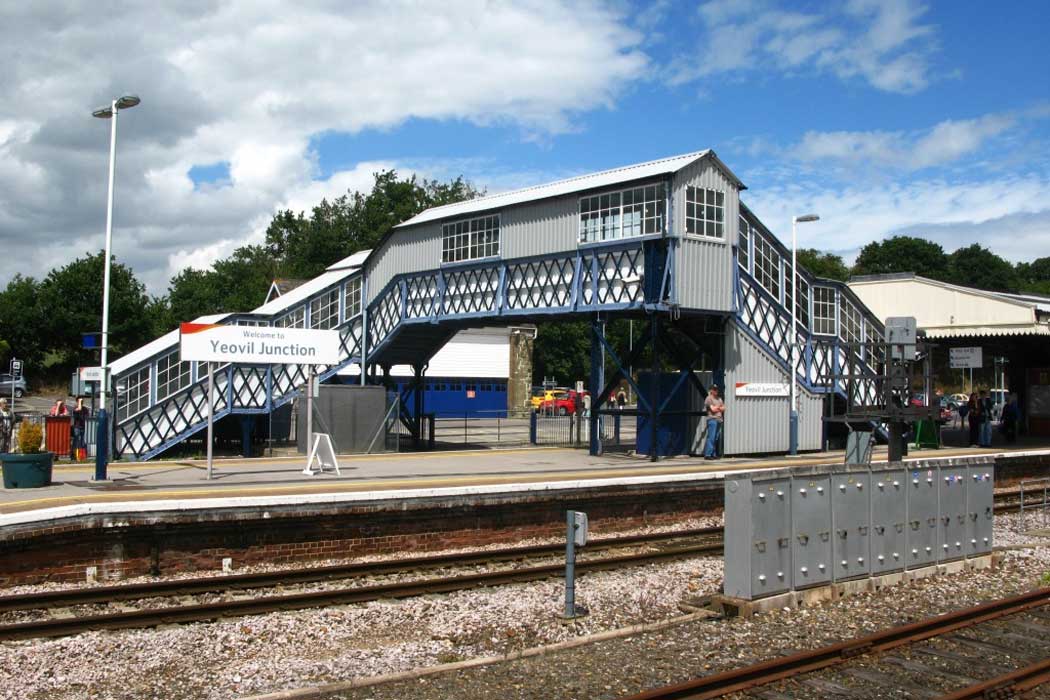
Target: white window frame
<point>802,292</point>
<point>743,244</point>
<point>294,318</point>
<point>173,375</point>
<point>847,313</point>
<point>465,240</point>
<point>136,398</point>
<point>616,221</point>
<point>765,252</point>
<point>822,305</point>
<point>324,310</point>
<point>352,298</point>
<point>708,219</point>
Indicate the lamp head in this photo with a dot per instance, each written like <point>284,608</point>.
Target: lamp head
<point>122,102</point>
<point>806,217</point>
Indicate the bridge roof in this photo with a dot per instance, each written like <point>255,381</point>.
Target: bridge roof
<point>606,178</point>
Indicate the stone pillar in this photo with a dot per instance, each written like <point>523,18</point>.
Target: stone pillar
<point>519,376</point>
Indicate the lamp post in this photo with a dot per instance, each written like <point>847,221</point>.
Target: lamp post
<point>102,434</point>
<point>793,425</point>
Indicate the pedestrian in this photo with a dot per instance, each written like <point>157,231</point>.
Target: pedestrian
<point>963,409</point>
<point>986,420</point>
<point>59,409</point>
<point>586,405</point>
<point>7,424</point>
<point>621,398</point>
<point>973,418</point>
<point>77,444</point>
<point>715,409</point>
<point>1011,417</point>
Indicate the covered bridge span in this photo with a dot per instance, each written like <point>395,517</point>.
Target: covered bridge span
<point>667,240</point>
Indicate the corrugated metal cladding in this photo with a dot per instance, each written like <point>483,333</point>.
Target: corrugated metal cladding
<point>704,266</point>
<point>408,250</point>
<point>545,227</point>
<point>760,424</point>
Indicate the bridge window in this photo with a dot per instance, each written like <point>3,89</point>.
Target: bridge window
<point>849,322</point>
<point>296,318</point>
<point>136,394</point>
<point>802,300</point>
<point>353,297</point>
<point>635,212</point>
<point>324,310</point>
<point>875,351</point>
<point>704,212</point>
<point>824,310</point>
<point>767,266</point>
<point>172,375</point>
<point>472,239</point>
<point>743,245</point>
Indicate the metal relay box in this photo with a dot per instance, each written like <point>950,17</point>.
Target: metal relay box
<point>794,528</point>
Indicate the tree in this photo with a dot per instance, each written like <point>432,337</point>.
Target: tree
<point>236,283</point>
<point>827,265</point>
<point>70,303</point>
<point>562,351</point>
<point>21,320</point>
<point>903,254</point>
<point>975,266</point>
<point>1034,276</point>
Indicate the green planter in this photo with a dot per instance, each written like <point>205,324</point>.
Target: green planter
<point>27,471</point>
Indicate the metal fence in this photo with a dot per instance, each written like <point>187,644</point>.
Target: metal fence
<point>1034,498</point>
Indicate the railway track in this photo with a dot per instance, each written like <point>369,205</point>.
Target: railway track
<point>150,617</point>
<point>953,649</point>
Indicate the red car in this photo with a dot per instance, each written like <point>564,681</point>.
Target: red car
<point>565,405</point>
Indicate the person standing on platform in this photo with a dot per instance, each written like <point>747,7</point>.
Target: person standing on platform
<point>586,405</point>
<point>7,424</point>
<point>1011,418</point>
<point>985,437</point>
<point>973,418</point>
<point>621,398</point>
<point>77,446</point>
<point>59,409</point>
<point>715,408</point>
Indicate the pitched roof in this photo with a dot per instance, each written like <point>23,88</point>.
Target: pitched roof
<point>605,178</point>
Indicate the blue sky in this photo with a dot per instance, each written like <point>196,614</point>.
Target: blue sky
<point>884,117</point>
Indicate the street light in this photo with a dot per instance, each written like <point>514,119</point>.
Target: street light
<point>793,426</point>
<point>102,435</point>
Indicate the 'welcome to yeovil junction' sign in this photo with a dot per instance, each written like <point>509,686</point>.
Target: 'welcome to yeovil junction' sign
<point>208,342</point>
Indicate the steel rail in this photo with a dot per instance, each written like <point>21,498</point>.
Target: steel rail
<point>736,680</point>
<point>1008,685</point>
<point>297,601</point>
<point>212,584</point>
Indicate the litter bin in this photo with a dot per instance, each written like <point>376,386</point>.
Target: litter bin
<point>57,434</point>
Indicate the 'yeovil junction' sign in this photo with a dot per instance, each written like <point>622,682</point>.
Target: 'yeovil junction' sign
<point>207,342</point>
<point>762,389</point>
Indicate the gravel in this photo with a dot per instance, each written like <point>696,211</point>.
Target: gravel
<point>265,653</point>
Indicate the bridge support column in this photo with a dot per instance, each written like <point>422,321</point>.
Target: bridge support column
<point>597,383</point>
<point>246,435</point>
<point>654,400</point>
<point>417,405</point>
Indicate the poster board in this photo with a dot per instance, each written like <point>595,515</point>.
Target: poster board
<point>323,453</point>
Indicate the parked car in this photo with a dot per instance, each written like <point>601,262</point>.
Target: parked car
<point>542,397</point>
<point>566,404</point>
<point>947,406</point>
<point>7,385</point>
<point>959,398</point>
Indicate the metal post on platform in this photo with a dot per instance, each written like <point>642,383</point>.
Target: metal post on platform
<point>654,400</point>
<point>309,409</point>
<point>211,414</point>
<point>793,332</point>
<point>597,383</point>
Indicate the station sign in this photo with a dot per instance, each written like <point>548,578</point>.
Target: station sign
<point>91,374</point>
<point>16,369</point>
<point>209,342</point>
<point>762,389</point>
<point>963,358</point>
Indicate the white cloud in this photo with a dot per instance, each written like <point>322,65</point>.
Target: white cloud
<point>883,43</point>
<point>1010,214</point>
<point>944,143</point>
<point>250,84</point>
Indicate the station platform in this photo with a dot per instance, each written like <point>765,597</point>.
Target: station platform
<point>162,485</point>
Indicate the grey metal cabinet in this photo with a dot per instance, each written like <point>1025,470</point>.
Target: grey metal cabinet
<point>979,511</point>
<point>811,543</point>
<point>851,524</point>
<point>921,539</point>
<point>888,515</point>
<point>951,531</point>
<point>757,537</point>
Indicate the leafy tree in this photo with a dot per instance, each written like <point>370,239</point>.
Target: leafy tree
<point>21,319</point>
<point>562,351</point>
<point>1035,276</point>
<point>903,254</point>
<point>975,266</point>
<point>827,265</point>
<point>236,283</point>
<point>70,303</point>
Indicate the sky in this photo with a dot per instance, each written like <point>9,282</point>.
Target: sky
<point>883,117</point>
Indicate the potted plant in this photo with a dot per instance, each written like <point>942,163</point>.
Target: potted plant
<point>32,468</point>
